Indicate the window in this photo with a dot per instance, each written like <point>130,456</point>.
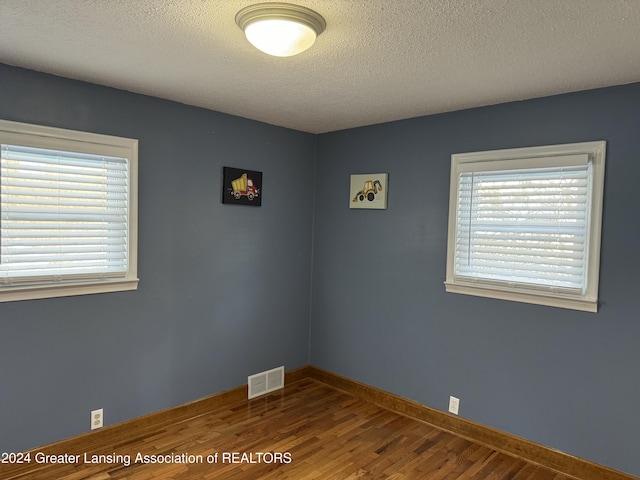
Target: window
<point>524,224</point>
<point>68,212</point>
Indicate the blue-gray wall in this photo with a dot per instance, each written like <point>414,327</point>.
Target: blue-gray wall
<point>224,290</point>
<point>380,313</point>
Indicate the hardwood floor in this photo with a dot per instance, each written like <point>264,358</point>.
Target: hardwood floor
<point>306,431</point>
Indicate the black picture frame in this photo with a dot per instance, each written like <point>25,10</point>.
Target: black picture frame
<point>241,187</point>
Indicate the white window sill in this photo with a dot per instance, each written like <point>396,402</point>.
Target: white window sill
<point>11,294</point>
<point>537,298</point>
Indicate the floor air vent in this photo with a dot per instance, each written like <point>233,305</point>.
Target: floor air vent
<point>265,382</point>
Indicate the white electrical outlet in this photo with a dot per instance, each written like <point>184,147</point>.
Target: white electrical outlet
<point>96,419</point>
<point>454,404</point>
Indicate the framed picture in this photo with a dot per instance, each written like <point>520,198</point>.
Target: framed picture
<point>369,191</point>
<point>241,187</point>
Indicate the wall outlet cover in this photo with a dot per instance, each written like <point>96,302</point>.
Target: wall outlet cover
<point>454,405</point>
<point>97,417</point>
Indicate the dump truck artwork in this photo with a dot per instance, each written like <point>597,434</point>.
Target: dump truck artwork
<point>244,186</point>
<point>370,190</point>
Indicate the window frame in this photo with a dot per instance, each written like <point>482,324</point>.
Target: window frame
<point>39,136</point>
<point>532,157</point>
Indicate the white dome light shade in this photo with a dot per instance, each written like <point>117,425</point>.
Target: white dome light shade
<point>280,38</point>
<point>280,29</point>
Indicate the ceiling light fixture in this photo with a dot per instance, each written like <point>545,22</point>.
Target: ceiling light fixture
<point>280,29</point>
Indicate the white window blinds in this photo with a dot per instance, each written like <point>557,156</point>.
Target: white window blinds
<point>525,226</point>
<point>64,216</point>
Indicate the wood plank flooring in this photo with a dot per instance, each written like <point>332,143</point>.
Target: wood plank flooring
<point>306,431</point>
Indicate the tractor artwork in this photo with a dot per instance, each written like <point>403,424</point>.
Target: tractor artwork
<point>244,186</point>
<point>371,188</point>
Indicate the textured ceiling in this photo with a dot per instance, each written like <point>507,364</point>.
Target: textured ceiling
<point>378,60</point>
